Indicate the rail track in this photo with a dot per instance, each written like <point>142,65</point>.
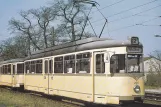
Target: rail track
<point>154,96</point>
<point>149,95</point>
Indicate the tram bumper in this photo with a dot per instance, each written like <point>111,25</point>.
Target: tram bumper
<point>130,98</point>
<point>118,100</point>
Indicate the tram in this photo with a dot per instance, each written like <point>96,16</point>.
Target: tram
<point>96,70</point>
<point>12,73</point>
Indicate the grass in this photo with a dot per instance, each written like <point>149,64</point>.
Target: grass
<point>10,98</point>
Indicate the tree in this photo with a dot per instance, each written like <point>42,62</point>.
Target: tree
<point>15,47</point>
<point>44,16</point>
<point>24,27</point>
<point>48,26</point>
<point>73,17</point>
<point>21,44</point>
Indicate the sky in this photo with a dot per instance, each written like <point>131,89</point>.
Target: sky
<point>125,18</point>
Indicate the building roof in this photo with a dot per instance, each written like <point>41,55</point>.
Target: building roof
<point>146,58</point>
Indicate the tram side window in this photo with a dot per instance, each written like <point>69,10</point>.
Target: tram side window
<point>51,66</point>
<point>20,68</point>
<point>39,66</point>
<point>13,69</point>
<point>9,69</point>
<point>0,70</point>
<point>83,63</point>
<point>117,63</point>
<point>6,69</point>
<point>46,66</point>
<point>27,67</point>
<point>100,65</point>
<point>69,64</point>
<point>58,64</point>
<point>3,69</point>
<point>33,67</point>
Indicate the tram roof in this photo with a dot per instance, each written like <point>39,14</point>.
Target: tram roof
<point>80,45</point>
<point>71,44</point>
<point>12,61</point>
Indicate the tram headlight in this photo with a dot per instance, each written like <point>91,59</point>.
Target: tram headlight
<point>137,88</point>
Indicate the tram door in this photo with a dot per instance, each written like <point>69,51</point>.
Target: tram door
<point>99,72</point>
<point>48,71</point>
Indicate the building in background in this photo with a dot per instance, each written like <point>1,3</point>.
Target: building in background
<point>151,65</point>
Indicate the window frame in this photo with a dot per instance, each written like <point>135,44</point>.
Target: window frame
<point>67,63</point>
<point>117,60</point>
<point>18,68</point>
<point>101,64</point>
<point>39,62</point>
<point>80,68</point>
<point>28,63</point>
<point>57,60</point>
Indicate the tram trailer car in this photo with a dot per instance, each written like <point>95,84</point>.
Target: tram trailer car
<point>12,73</point>
<point>95,70</point>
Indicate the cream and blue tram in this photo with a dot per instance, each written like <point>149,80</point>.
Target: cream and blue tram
<point>96,70</point>
<point>12,73</point>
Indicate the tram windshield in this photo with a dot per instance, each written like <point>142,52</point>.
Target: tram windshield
<point>121,63</point>
<point>133,63</point>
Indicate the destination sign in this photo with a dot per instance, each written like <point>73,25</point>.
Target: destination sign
<point>134,49</point>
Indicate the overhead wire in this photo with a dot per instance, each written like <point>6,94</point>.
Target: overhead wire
<point>149,20</point>
<point>87,19</point>
<point>104,23</point>
<point>133,25</point>
<point>124,12</point>
<point>144,15</point>
<point>110,5</point>
<point>120,12</point>
<point>98,10</point>
<point>122,28</point>
<point>149,25</point>
<point>127,10</point>
<point>134,15</point>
